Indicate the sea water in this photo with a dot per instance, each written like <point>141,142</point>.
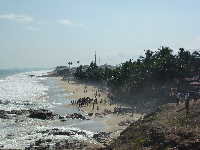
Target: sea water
<point>22,89</point>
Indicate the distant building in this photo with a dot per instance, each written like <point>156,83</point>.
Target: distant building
<point>64,71</point>
<point>61,68</point>
<point>107,66</point>
<point>194,82</point>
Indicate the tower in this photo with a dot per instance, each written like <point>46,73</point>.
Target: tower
<point>95,61</point>
<point>99,61</point>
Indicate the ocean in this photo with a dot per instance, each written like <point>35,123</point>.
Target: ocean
<point>24,89</point>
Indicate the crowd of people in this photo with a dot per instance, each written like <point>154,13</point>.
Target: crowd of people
<point>118,110</point>
<point>82,101</point>
<point>85,101</point>
<point>186,97</point>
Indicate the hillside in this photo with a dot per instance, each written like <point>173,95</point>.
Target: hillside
<point>168,127</point>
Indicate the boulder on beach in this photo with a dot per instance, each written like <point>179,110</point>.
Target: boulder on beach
<point>41,114</point>
<point>90,114</point>
<point>76,116</point>
<point>102,137</point>
<point>4,116</point>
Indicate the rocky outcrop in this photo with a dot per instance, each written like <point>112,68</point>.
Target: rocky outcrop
<point>3,115</point>
<point>76,116</point>
<point>102,137</point>
<point>90,114</point>
<point>41,114</point>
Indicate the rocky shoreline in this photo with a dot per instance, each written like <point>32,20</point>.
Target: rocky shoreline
<point>101,137</point>
<point>98,140</point>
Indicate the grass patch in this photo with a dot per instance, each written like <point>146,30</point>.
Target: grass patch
<point>139,141</point>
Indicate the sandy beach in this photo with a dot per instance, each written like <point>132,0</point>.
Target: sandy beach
<point>114,122</point>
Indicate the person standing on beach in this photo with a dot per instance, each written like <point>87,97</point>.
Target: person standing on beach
<point>187,101</point>
<point>120,109</point>
<point>177,98</point>
<point>115,110</point>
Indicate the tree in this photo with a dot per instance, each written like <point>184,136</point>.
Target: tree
<point>79,74</point>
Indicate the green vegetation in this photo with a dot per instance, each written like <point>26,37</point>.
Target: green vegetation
<point>93,73</point>
<point>138,142</point>
<point>151,76</point>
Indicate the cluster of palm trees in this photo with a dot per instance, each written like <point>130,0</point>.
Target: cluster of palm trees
<point>152,75</point>
<point>92,73</point>
<point>70,63</point>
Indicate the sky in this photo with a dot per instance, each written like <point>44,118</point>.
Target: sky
<point>50,33</point>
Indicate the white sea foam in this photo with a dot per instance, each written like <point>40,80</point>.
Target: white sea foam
<point>20,90</point>
<point>22,134</point>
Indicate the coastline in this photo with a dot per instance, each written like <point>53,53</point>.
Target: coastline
<point>115,123</point>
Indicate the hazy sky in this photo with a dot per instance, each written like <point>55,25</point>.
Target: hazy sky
<point>48,33</point>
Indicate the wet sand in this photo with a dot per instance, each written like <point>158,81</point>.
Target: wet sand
<point>105,111</point>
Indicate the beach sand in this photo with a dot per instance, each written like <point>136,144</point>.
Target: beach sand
<point>105,111</point>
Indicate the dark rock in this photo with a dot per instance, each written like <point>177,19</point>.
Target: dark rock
<point>75,116</point>
<point>64,133</point>
<point>60,117</point>
<point>124,123</point>
<point>17,112</point>
<point>97,114</point>
<point>31,76</point>
<point>90,114</point>
<point>49,140</point>
<point>2,111</point>
<point>4,116</point>
<point>63,120</point>
<point>41,114</point>
<point>55,129</point>
<point>101,137</point>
